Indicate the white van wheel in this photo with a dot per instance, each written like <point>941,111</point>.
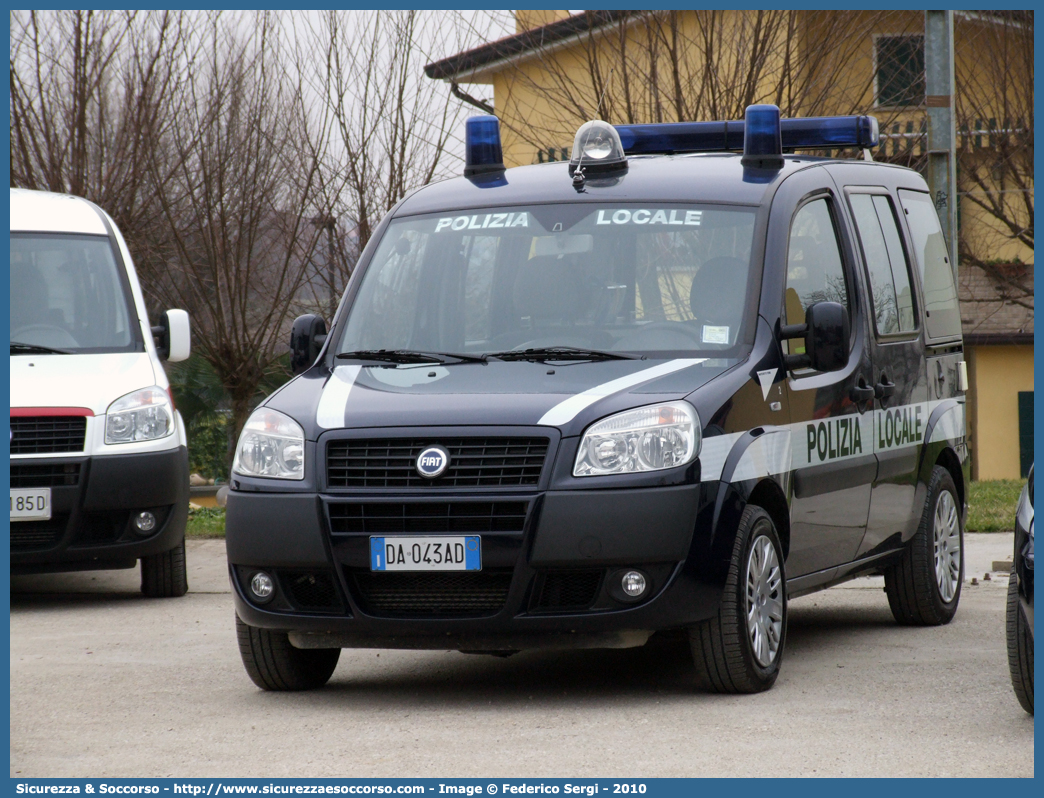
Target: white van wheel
<point>165,575</point>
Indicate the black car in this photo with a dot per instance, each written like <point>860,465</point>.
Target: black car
<point>1020,602</point>
<point>663,386</point>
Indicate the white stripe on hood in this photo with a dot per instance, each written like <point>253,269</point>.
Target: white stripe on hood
<point>333,404</point>
<point>568,409</point>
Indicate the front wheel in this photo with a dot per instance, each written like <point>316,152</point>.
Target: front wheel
<point>924,587</point>
<point>165,575</point>
<point>272,662</point>
<point>740,649</point>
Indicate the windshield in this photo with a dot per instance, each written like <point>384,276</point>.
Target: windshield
<point>649,278</point>
<point>67,295</point>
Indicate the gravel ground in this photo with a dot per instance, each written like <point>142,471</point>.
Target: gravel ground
<point>107,683</point>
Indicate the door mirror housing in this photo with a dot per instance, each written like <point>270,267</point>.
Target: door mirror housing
<point>827,332</point>
<point>307,337</point>
<point>173,336</point>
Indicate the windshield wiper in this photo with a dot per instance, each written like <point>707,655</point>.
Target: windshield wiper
<point>17,346</point>
<point>562,353</point>
<point>408,356</point>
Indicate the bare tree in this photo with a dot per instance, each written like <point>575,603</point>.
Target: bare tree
<point>238,235</point>
<point>378,128</point>
<point>93,93</point>
<point>667,66</point>
<point>995,97</point>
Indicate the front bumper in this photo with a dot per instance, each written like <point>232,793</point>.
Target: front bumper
<point>93,500</point>
<point>551,565</point>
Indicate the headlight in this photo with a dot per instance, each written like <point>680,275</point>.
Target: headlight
<point>144,415</point>
<point>272,445</point>
<point>645,439</point>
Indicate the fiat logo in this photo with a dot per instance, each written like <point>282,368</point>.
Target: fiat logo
<point>432,462</point>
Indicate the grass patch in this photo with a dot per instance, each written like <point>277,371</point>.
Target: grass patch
<point>991,505</point>
<point>206,522</point>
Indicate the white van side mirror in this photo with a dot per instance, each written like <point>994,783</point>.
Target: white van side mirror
<point>173,336</point>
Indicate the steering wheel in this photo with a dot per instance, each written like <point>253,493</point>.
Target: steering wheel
<point>45,335</point>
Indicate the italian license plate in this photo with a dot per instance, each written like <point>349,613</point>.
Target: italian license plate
<point>428,553</point>
<point>30,504</point>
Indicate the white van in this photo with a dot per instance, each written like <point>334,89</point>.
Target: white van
<point>99,462</point>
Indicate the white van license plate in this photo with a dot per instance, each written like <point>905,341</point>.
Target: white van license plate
<point>429,553</point>
<point>30,504</point>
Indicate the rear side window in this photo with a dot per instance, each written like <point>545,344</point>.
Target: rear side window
<point>885,263</point>
<point>941,313</point>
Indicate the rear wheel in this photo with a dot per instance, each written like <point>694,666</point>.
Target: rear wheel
<point>740,649</point>
<point>1020,648</point>
<point>273,663</point>
<point>165,575</point>
<point>924,587</point>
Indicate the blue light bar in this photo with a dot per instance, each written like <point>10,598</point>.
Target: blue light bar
<point>762,140</point>
<point>820,132</point>
<point>482,150</point>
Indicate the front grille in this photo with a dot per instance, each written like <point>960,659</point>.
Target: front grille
<point>44,476</point>
<point>433,594</point>
<point>312,590</point>
<point>474,462</point>
<point>37,534</point>
<point>381,518</point>
<point>562,590</point>
<point>47,434</point>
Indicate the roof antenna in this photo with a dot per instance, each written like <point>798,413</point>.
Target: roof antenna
<point>578,175</point>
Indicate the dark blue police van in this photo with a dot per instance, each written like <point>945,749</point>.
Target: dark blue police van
<point>668,385</point>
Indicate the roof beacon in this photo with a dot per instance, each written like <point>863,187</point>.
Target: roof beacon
<point>818,132</point>
<point>596,148</point>
<point>482,151</point>
<point>762,140</point>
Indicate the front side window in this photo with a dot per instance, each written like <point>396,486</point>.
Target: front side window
<point>626,278</point>
<point>66,293</point>
<point>815,272</point>
<point>941,312</point>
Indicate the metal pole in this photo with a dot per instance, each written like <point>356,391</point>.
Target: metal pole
<point>942,129</point>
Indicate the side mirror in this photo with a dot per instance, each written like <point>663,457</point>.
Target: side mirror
<point>307,337</point>
<point>827,332</point>
<point>173,336</point>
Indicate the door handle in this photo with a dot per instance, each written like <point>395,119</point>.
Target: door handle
<point>862,393</point>
<point>884,389</point>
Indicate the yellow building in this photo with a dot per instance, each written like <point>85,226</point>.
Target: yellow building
<point>560,70</point>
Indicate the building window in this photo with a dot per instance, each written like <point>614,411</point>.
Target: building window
<point>900,70</point>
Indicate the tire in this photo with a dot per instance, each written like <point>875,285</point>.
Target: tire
<point>274,664</point>
<point>924,587</point>
<point>723,649</point>
<point>1020,648</point>
<point>165,575</point>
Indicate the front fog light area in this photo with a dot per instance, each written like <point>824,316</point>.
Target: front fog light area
<point>644,439</point>
<point>633,584</point>
<point>262,586</point>
<point>144,415</point>
<point>144,522</point>
<point>272,445</point>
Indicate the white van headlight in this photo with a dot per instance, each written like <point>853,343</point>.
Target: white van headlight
<point>272,445</point>
<point>644,439</point>
<point>144,415</point>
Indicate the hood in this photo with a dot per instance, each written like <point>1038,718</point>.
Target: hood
<point>91,381</point>
<point>564,395</point>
